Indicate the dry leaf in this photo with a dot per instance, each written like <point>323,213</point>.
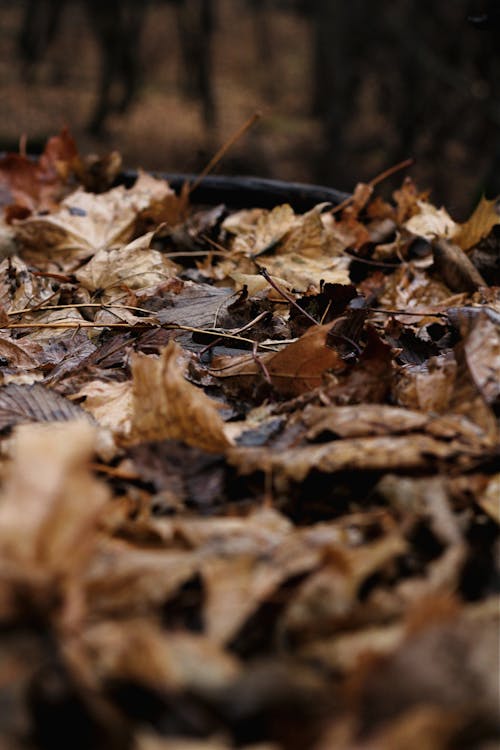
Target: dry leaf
<point>431,222</point>
<point>165,405</point>
<point>22,404</point>
<point>414,451</point>
<point>48,519</point>
<point>134,266</point>
<point>110,404</point>
<point>489,500</point>
<point>478,226</point>
<point>86,223</point>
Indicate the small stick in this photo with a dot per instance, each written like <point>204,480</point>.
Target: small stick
<point>406,312</point>
<point>285,295</point>
<point>390,171</point>
<point>76,305</point>
<point>64,324</point>
<point>260,363</point>
<point>375,181</point>
<point>217,341</point>
<point>224,149</point>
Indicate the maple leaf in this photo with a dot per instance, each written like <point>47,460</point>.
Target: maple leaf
<point>298,368</point>
<point>133,266</point>
<point>85,223</point>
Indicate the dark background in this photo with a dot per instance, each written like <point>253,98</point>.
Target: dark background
<point>346,89</point>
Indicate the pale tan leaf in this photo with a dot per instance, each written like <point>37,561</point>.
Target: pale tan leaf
<point>302,272</point>
<point>165,405</point>
<point>478,226</point>
<point>431,222</point>
<point>134,266</point>
<point>255,231</point>
<point>140,651</point>
<point>394,452</point>
<point>489,500</point>
<point>50,501</point>
<point>86,222</point>
<point>110,403</point>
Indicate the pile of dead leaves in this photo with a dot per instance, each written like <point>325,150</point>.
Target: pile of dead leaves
<point>249,469</point>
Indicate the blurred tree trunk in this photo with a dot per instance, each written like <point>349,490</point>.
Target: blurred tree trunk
<point>340,31</point>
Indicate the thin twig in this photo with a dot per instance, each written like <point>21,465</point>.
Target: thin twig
<point>147,325</point>
<point>406,312</point>
<point>234,331</point>
<point>77,305</point>
<point>263,271</point>
<point>375,181</point>
<point>390,171</point>
<point>260,364</point>
<point>224,149</point>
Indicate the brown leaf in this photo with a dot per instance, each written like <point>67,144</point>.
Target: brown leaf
<point>139,651</point>
<point>489,499</point>
<point>455,268</point>
<point>38,185</point>
<point>478,226</point>
<point>110,404</point>
<point>122,580</point>
<point>133,266</point>
<point>165,405</point>
<point>298,368</point>
<point>327,600</point>
<point>86,223</point>
<point>48,512</point>
<point>482,351</point>
<point>357,421</point>
<point>416,451</point>
<point>20,404</point>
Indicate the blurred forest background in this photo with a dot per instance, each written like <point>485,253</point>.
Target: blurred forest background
<point>346,89</point>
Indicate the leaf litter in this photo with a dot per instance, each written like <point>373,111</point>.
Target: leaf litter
<point>249,468</point>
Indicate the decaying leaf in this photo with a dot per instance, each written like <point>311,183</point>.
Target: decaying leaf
<point>431,222</point>
<point>134,266</point>
<point>484,217</point>
<point>48,513</point>
<point>21,404</point>
<point>165,405</point>
<point>250,498</point>
<point>85,223</point>
<point>37,185</point>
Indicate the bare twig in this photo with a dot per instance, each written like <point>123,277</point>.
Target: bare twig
<point>263,271</point>
<point>224,149</point>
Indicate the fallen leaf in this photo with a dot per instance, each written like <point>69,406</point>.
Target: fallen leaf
<point>431,222</point>
<point>109,403</point>
<point>34,403</point>
<point>489,499</point>
<point>478,226</point>
<point>48,516</point>
<point>455,268</point>
<point>133,266</point>
<point>39,185</point>
<point>165,405</point>
<point>415,451</point>
<point>85,223</point>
